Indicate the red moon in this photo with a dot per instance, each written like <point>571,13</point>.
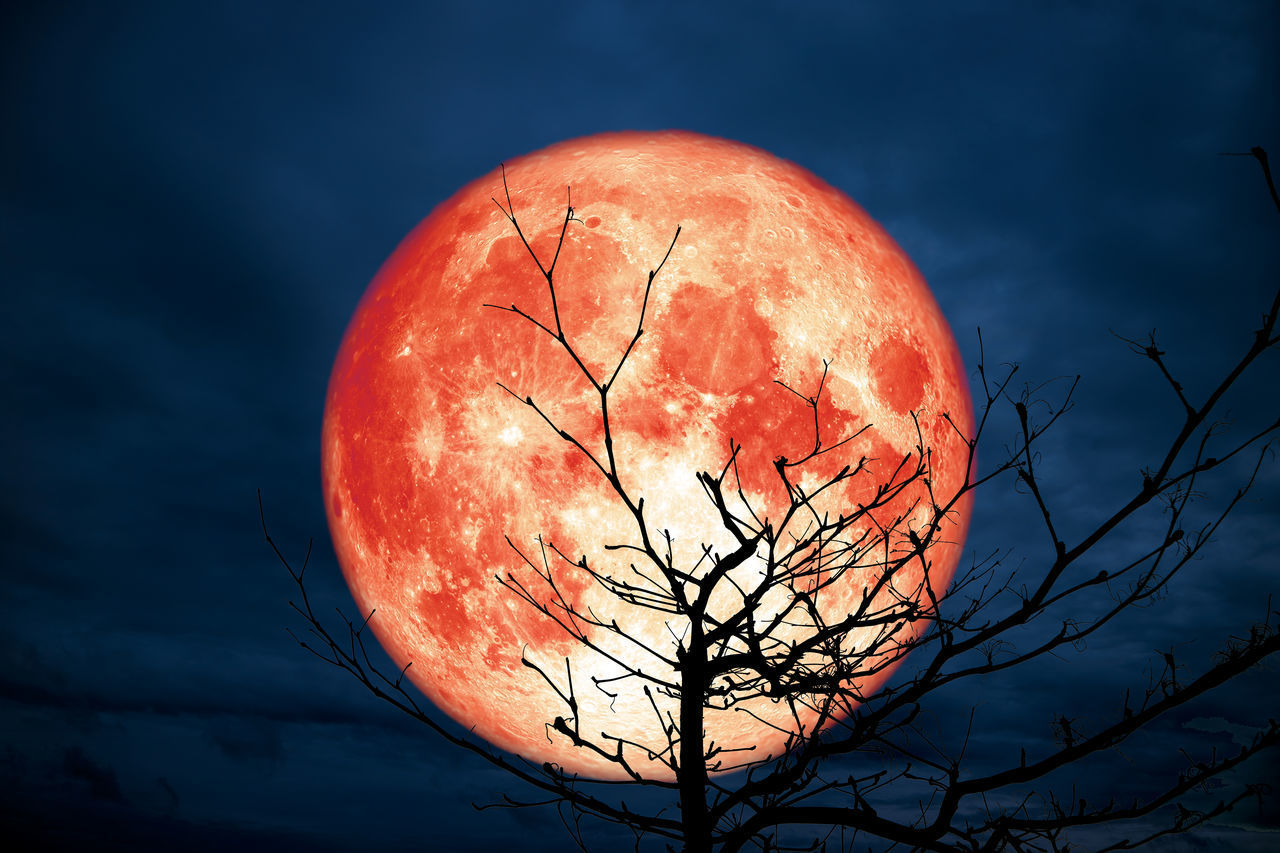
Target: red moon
<point>428,464</point>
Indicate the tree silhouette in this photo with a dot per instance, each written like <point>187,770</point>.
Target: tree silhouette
<point>757,625</point>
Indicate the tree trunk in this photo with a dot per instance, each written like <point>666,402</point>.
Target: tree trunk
<point>693,759</point>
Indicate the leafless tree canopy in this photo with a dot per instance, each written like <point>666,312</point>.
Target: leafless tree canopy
<point>991,618</point>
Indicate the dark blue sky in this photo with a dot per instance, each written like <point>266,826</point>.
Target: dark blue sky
<point>194,199</point>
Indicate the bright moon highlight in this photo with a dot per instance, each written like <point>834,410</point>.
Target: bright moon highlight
<point>429,465</point>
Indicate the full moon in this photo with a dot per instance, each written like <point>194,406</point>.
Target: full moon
<point>434,473</point>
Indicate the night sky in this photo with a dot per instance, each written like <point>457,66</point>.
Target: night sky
<point>196,195</point>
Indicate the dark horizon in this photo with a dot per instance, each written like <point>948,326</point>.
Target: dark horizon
<point>196,200</point>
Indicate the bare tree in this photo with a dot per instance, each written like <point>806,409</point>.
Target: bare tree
<point>756,623</point>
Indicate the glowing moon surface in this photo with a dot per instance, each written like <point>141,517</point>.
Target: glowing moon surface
<point>428,464</point>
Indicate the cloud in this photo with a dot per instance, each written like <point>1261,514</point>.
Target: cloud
<point>248,739</point>
<point>1240,735</point>
<point>101,780</point>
